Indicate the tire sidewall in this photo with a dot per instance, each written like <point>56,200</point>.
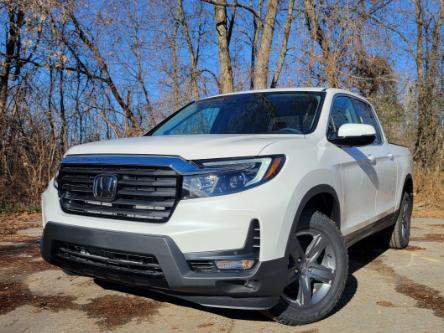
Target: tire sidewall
<point>406,200</point>
<point>321,223</point>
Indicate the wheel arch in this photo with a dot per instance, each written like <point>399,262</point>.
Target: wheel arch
<point>322,197</point>
<point>408,185</point>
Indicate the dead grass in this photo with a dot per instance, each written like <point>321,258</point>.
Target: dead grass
<point>385,304</point>
<point>16,262</point>
<point>20,260</point>
<point>412,248</point>
<point>15,294</point>
<point>429,193</point>
<point>431,237</point>
<point>437,213</point>
<point>10,223</point>
<point>438,226</point>
<point>114,310</point>
<point>312,330</point>
<point>425,297</point>
<point>110,311</point>
<point>19,217</point>
<point>205,325</point>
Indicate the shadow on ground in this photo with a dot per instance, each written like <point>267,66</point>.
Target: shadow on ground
<point>360,254</point>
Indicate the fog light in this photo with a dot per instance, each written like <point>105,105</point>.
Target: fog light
<point>234,264</point>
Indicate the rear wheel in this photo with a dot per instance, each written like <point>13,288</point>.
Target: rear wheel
<point>400,232</point>
<point>317,271</point>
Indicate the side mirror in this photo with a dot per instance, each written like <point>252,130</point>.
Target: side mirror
<point>354,135</point>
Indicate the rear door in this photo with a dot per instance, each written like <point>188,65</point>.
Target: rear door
<point>356,166</point>
<point>384,160</point>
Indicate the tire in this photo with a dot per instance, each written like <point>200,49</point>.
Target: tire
<point>325,286</point>
<point>400,232</point>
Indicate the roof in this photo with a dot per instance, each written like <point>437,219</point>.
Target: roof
<point>314,89</point>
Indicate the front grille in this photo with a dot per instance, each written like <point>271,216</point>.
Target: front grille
<point>108,259</point>
<point>143,193</point>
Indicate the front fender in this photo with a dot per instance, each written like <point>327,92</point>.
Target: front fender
<point>314,183</point>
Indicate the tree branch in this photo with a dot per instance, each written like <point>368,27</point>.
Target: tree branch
<point>235,4</point>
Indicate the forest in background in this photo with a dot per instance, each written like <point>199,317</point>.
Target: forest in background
<point>78,71</point>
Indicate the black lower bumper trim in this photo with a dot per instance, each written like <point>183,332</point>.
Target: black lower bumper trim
<point>258,288</point>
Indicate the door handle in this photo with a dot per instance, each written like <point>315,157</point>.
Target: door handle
<point>371,158</point>
<point>390,156</point>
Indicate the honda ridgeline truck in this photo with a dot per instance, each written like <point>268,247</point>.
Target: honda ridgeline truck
<point>246,200</point>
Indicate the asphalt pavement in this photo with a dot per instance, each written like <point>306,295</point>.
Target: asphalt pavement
<point>387,291</point>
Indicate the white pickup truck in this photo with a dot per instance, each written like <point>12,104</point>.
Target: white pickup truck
<point>246,200</point>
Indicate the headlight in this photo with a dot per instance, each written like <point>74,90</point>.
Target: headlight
<point>230,176</point>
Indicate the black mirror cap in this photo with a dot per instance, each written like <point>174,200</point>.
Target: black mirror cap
<point>361,140</point>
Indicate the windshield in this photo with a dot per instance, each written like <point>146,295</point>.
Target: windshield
<point>253,113</point>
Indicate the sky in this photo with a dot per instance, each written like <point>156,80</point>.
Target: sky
<point>107,23</point>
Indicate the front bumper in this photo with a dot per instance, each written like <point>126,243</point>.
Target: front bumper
<point>258,288</point>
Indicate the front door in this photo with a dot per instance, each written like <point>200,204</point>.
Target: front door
<point>357,168</point>
<point>384,161</point>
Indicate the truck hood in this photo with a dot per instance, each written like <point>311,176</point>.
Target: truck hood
<point>190,147</point>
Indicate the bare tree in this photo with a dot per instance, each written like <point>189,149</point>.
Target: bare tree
<point>73,73</point>
<point>224,29</point>
<point>428,142</point>
<point>284,47</point>
<point>318,34</point>
<point>174,57</point>
<point>263,55</point>
<point>16,18</point>
<point>103,69</point>
<point>64,125</point>
<point>257,30</point>
<point>193,55</point>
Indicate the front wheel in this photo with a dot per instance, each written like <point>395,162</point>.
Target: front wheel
<point>317,271</point>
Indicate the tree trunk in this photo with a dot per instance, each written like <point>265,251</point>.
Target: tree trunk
<point>263,56</point>
<point>48,112</point>
<point>174,74</point>
<point>64,125</point>
<point>284,47</point>
<point>428,142</point>
<point>419,32</point>
<point>226,72</point>
<point>191,53</point>
<point>434,54</point>
<point>311,62</point>
<point>16,20</point>
<point>257,29</point>
<point>318,35</point>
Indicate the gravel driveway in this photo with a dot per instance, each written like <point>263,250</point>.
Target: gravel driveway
<point>388,291</point>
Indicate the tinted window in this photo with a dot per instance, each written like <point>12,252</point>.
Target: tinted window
<point>342,112</point>
<point>346,110</point>
<point>255,113</point>
<point>366,116</point>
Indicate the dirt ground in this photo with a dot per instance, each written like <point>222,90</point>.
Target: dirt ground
<point>387,291</point>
